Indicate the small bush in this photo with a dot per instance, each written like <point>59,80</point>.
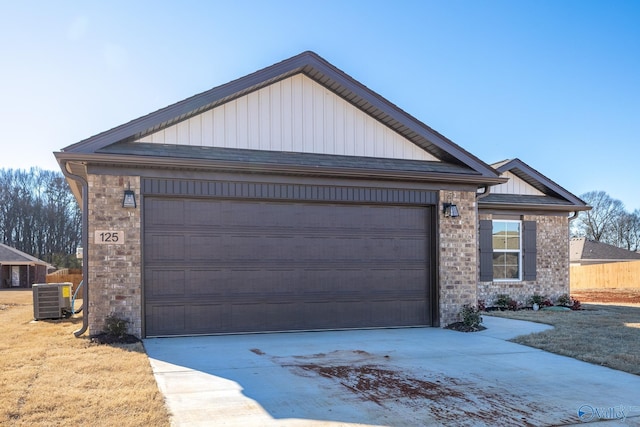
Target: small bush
<point>503,301</point>
<point>115,326</point>
<point>537,299</point>
<point>470,317</point>
<point>575,304</point>
<point>564,300</point>
<point>481,305</point>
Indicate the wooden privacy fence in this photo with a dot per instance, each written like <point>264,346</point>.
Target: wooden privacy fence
<point>73,275</point>
<point>605,276</point>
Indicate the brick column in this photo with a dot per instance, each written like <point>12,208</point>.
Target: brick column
<point>114,268</point>
<point>458,255</point>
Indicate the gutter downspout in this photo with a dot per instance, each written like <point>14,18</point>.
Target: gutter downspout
<point>573,215</point>
<point>485,193</point>
<point>85,246</point>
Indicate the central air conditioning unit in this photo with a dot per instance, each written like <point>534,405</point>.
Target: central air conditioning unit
<point>52,300</point>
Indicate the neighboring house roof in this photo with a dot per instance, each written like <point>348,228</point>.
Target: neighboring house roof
<point>12,256</point>
<point>589,251</point>
<point>463,166</point>
<point>541,193</point>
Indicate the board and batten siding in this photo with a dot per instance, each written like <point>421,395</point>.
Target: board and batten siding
<point>515,185</point>
<point>293,115</point>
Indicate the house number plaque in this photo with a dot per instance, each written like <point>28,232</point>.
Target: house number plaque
<point>108,237</point>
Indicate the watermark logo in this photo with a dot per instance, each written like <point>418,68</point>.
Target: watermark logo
<point>588,413</point>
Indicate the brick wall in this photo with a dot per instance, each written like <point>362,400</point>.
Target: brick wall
<point>114,269</point>
<point>552,264</point>
<point>458,256</point>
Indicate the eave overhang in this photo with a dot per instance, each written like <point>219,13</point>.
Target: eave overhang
<point>83,162</point>
<point>528,207</point>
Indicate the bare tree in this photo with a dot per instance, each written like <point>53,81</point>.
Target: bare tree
<point>627,231</point>
<point>600,223</point>
<point>39,215</point>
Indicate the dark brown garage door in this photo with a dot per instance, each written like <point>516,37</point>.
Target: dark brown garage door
<point>217,266</point>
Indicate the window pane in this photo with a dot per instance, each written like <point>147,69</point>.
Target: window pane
<point>498,266</point>
<point>506,235</point>
<point>506,266</point>
<point>512,266</point>
<point>499,235</point>
<point>513,235</point>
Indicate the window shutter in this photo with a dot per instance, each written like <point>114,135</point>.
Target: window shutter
<point>529,252</point>
<point>486,250</point>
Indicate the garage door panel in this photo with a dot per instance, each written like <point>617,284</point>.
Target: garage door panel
<point>208,282</point>
<point>165,247</point>
<point>166,283</point>
<point>398,312</point>
<point>262,265</point>
<point>167,319</point>
<point>222,247</point>
<point>164,212</point>
<point>201,316</point>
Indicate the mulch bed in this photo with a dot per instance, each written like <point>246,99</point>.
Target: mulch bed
<point>461,327</point>
<point>103,338</point>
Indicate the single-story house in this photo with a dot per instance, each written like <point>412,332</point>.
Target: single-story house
<point>584,251</point>
<point>296,198</point>
<point>19,269</point>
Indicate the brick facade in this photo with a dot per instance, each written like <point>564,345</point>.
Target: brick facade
<point>552,264</point>
<point>458,256</point>
<point>114,269</point>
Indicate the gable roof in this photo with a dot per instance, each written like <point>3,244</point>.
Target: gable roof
<point>12,256</point>
<point>583,249</point>
<point>554,196</point>
<point>314,67</point>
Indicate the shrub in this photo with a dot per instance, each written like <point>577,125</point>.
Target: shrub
<point>564,299</point>
<point>503,301</point>
<point>537,299</point>
<point>115,326</point>
<point>481,305</point>
<point>575,304</point>
<point>470,317</point>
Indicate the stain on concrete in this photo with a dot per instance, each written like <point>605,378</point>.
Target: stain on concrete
<point>426,395</point>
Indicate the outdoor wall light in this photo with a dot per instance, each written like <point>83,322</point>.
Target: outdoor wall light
<point>449,209</point>
<point>129,199</point>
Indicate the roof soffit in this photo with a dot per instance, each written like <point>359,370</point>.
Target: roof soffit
<point>315,68</point>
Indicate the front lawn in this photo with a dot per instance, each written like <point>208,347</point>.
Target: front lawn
<point>607,335</point>
<point>49,377</point>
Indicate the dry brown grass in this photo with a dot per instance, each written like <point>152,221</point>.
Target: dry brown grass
<point>49,377</point>
<point>607,335</point>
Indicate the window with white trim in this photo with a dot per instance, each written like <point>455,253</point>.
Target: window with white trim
<point>507,250</point>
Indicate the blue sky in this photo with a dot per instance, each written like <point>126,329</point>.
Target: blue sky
<point>554,83</point>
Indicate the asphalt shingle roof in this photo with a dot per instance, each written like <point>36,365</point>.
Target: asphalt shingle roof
<point>585,249</point>
<point>283,158</point>
<point>9,255</point>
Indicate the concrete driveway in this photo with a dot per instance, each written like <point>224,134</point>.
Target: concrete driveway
<point>390,377</point>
